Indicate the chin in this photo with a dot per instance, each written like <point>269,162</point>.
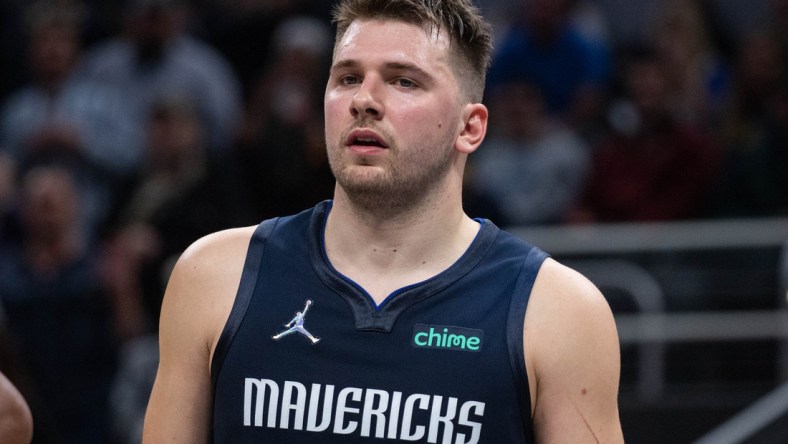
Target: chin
<point>355,175</point>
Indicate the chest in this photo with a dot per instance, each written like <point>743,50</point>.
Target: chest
<point>305,364</point>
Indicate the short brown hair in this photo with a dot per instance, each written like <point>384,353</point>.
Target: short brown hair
<point>468,31</point>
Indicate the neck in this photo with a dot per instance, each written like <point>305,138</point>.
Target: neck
<point>384,252</point>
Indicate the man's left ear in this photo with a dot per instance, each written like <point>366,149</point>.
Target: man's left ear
<point>475,120</point>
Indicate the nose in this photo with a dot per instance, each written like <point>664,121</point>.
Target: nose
<point>367,101</point>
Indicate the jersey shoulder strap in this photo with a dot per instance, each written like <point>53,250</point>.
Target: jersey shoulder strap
<point>246,288</point>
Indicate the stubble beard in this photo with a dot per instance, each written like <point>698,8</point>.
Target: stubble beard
<point>406,183</point>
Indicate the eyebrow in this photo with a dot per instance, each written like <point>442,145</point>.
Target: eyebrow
<point>391,66</point>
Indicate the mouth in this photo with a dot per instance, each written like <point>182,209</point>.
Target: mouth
<point>365,140</point>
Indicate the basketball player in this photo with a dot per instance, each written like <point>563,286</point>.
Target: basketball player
<point>420,310</point>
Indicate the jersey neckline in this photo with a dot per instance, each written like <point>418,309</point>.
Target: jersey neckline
<point>369,315</point>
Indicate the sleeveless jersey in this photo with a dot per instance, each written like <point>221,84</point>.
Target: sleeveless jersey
<point>307,356</point>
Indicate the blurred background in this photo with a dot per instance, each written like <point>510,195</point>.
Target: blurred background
<point>644,142</point>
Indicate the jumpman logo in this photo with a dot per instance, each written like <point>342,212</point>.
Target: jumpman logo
<point>296,325</point>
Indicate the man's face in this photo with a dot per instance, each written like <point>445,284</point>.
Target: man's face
<point>50,202</point>
<point>649,87</point>
<point>53,51</point>
<point>393,111</point>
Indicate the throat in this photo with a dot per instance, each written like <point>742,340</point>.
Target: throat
<point>384,255</point>
<point>383,271</point>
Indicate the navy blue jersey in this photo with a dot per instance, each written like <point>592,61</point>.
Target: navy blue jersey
<point>308,357</point>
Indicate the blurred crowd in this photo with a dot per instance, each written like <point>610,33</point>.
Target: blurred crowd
<point>130,128</point>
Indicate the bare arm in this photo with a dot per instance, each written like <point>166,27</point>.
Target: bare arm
<point>196,305</point>
<point>573,360</point>
<point>16,422</point>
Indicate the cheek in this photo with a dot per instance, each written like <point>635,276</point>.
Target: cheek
<point>331,101</point>
<point>437,116</point>
<point>329,130</point>
<point>332,115</point>
<point>433,124</point>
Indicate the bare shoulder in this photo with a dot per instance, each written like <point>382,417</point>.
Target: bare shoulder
<point>16,422</point>
<point>196,305</point>
<point>210,258</point>
<point>567,317</point>
<point>226,244</point>
<point>573,358</point>
<point>206,277</point>
<point>560,289</point>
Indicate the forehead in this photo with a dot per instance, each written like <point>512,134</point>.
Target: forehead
<point>393,41</point>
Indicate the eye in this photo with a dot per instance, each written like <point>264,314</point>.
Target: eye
<point>405,83</point>
<point>349,79</point>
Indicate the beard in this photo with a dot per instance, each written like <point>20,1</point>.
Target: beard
<point>405,181</point>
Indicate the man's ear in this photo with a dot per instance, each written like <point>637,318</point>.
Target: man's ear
<point>475,120</point>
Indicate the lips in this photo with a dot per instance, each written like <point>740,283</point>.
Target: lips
<point>366,139</point>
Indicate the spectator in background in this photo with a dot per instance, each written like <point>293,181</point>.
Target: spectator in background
<point>61,108</point>
<point>549,49</point>
<point>59,318</point>
<point>11,33</point>
<point>532,165</point>
<point>243,30</point>
<point>282,145</point>
<point>155,57</point>
<point>699,77</point>
<point>7,197</point>
<point>500,14</point>
<point>752,137</point>
<point>180,194</point>
<point>779,9</point>
<point>777,139</point>
<point>588,18</point>
<point>652,166</point>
